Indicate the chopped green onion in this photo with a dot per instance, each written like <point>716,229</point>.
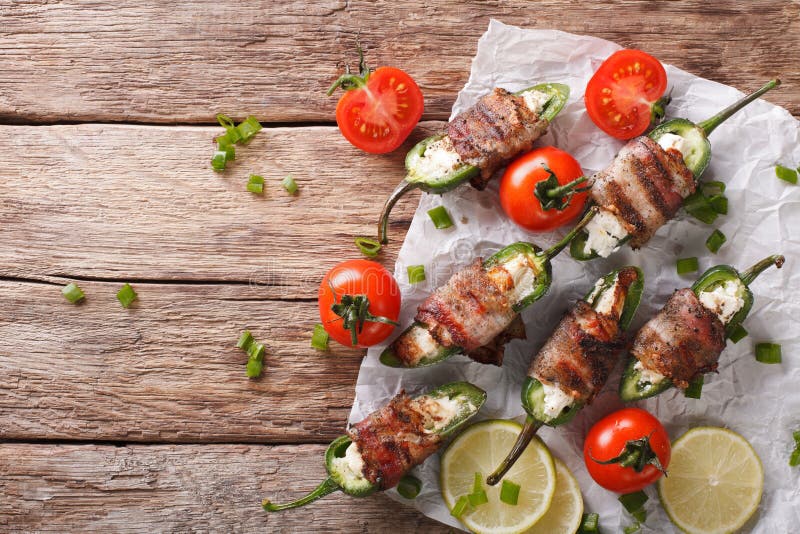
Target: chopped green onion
<point>509,492</point>
<point>319,339</point>
<point>698,206</point>
<point>441,219</point>
<point>768,352</point>
<point>632,529</point>
<point>633,501</point>
<point>255,184</point>
<point>719,203</point>
<point>368,247</point>
<point>416,274</point>
<point>245,340</point>
<point>256,351</point>
<point>477,484</point>
<point>409,487</point>
<point>460,507</point>
<point>796,436</point>
<point>231,137</point>
<point>254,368</point>
<point>712,188</point>
<point>687,265</point>
<point>695,388</point>
<point>248,128</point>
<point>255,361</point>
<point>715,241</point>
<point>589,524</point>
<point>72,293</point>
<point>738,334</point>
<point>794,459</point>
<point>289,184</point>
<point>230,152</point>
<point>218,160</point>
<point>786,174</point>
<point>478,498</point>
<point>126,295</point>
<point>225,121</point>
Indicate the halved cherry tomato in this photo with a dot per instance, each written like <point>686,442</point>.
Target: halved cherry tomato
<point>624,95</point>
<point>518,189</point>
<point>607,441</point>
<point>359,302</point>
<point>379,109</point>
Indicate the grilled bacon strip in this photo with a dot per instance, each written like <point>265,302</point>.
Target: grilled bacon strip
<point>392,440</point>
<point>496,129</point>
<point>585,346</point>
<point>684,340</point>
<point>493,352</point>
<point>644,187</point>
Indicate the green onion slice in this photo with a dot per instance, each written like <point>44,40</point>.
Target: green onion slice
<point>719,203</point>
<point>368,247</point>
<point>225,121</point>
<point>786,174</point>
<point>687,265</point>
<point>319,339</point>
<point>509,492</point>
<point>460,507</point>
<point>248,128</point>
<point>768,352</point>
<point>441,219</point>
<point>289,184</point>
<point>477,485</point>
<point>794,459</point>
<point>72,293</point>
<point>698,206</point>
<point>255,184</point>
<point>738,334</point>
<point>796,436</point>
<point>633,501</point>
<point>245,340</point>
<point>254,368</point>
<point>256,351</point>
<point>230,152</point>
<point>218,160</point>
<point>632,529</point>
<point>416,274</point>
<point>715,241</point>
<point>589,524</point>
<point>126,295</point>
<point>478,498</point>
<point>409,487</point>
<point>695,388</point>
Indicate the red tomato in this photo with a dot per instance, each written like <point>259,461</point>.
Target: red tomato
<point>621,96</point>
<point>607,439</point>
<point>354,290</point>
<point>379,115</point>
<point>518,186</point>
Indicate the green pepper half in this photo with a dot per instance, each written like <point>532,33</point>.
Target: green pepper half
<point>416,179</point>
<point>633,387</point>
<point>470,398</point>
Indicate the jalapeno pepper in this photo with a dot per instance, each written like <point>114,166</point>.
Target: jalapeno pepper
<point>696,152</point>
<point>540,262</point>
<point>469,399</point>
<point>634,387</point>
<point>533,391</point>
<point>417,178</point>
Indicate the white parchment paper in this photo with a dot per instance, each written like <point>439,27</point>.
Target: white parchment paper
<point>761,402</point>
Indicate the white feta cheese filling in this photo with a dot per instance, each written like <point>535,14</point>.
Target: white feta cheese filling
<point>555,400</point>
<point>424,340</point>
<point>605,231</point>
<point>439,159</point>
<point>522,274</point>
<point>607,300</point>
<point>351,465</point>
<point>647,376</point>
<point>535,100</point>
<point>439,412</point>
<point>725,300</point>
<point>669,140</point>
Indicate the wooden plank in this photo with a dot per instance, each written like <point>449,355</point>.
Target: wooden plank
<point>186,61</point>
<point>181,488</point>
<point>142,203</point>
<point>166,370</point>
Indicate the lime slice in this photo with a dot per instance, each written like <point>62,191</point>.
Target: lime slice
<point>566,510</point>
<point>481,448</point>
<point>714,481</point>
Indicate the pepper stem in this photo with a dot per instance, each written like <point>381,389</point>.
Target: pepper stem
<point>524,438</point>
<point>400,191</point>
<point>752,273</point>
<point>709,125</point>
<point>553,251</point>
<point>327,487</point>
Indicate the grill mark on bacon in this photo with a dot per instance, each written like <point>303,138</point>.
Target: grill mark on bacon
<point>392,440</point>
<point>653,194</point>
<point>625,208</point>
<point>684,340</point>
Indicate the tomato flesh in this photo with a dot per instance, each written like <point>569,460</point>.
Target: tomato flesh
<point>607,439</point>
<point>620,95</point>
<point>359,277</point>
<point>378,117</point>
<point>518,186</point>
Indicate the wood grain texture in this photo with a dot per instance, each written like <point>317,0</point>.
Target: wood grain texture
<point>167,369</point>
<point>142,203</point>
<point>181,488</point>
<point>185,61</point>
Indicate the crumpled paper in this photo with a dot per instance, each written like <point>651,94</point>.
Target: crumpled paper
<point>761,402</point>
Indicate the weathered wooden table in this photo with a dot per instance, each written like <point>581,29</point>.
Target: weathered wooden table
<point>142,420</point>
